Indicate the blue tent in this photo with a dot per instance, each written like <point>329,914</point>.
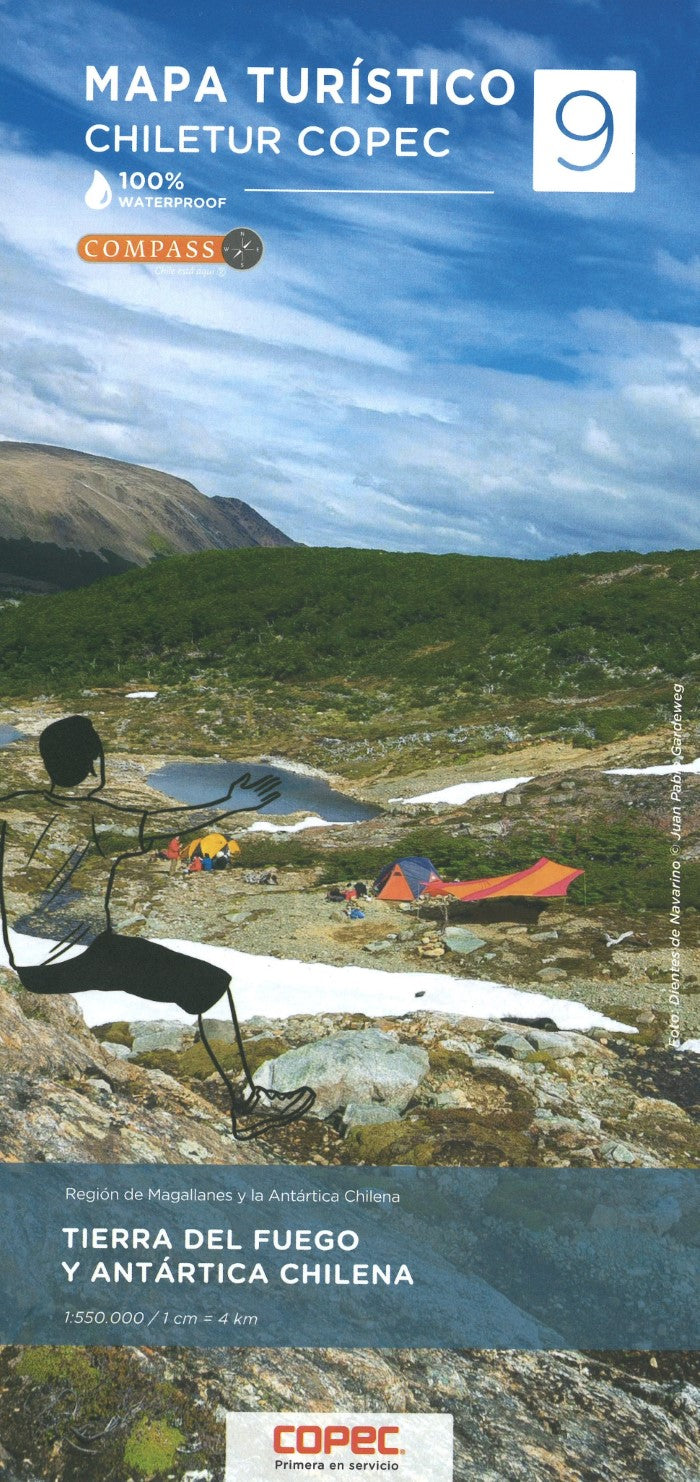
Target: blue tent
<point>405,879</point>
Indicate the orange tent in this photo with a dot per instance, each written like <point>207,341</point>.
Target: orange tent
<point>405,879</point>
<point>542,880</point>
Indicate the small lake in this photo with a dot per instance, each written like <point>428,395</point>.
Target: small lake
<point>8,734</point>
<point>197,782</point>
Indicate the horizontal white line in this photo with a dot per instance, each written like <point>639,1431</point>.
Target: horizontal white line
<point>295,190</point>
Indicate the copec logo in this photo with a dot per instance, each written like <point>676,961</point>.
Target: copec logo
<point>276,1446</point>
<point>326,1440</point>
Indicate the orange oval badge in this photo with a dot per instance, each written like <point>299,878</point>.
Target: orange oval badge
<point>145,249</point>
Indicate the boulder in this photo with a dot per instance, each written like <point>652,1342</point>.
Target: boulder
<point>515,1046</point>
<point>367,1113</point>
<point>619,1152</point>
<point>559,1045</point>
<point>122,1052</point>
<point>461,939</point>
<point>160,1034</point>
<point>363,1067</point>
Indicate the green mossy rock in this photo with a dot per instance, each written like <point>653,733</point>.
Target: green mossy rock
<point>194,1064</point>
<point>652,1035</point>
<point>551,1063</point>
<point>118,1033</point>
<point>135,1412</point>
<point>66,1366</point>
<point>439,1137</point>
<point>152,1447</point>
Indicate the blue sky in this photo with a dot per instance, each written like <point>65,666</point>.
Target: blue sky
<point>514,374</point>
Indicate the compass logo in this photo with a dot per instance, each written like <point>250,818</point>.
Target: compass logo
<point>242,248</point>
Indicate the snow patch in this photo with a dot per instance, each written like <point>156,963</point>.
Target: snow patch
<point>692,1045</point>
<point>295,828</point>
<point>142,695</point>
<point>303,769</point>
<point>653,771</point>
<point>278,987</point>
<point>461,792</point>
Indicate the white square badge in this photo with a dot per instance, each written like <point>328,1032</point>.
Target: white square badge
<point>269,1447</point>
<point>584,130</point>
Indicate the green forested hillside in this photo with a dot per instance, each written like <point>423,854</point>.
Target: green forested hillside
<point>576,625</point>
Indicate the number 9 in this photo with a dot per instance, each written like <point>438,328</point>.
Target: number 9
<point>607,127</point>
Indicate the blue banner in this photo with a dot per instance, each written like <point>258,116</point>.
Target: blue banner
<point>349,1257</point>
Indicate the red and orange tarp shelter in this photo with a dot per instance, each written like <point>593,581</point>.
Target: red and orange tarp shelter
<point>541,880</point>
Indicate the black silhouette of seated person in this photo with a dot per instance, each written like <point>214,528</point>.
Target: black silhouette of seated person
<point>71,749</point>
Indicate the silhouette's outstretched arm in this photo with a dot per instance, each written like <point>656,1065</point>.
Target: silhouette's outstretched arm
<point>244,782</point>
<point>23,792</point>
<point>266,790</point>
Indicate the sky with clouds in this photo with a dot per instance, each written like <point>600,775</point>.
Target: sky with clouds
<point>506,374</point>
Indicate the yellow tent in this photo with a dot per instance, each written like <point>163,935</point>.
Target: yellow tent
<point>211,844</point>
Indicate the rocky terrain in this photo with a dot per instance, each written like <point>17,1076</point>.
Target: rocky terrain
<point>79,1414</point>
<point>61,500</point>
<point>425,1088</point>
<point>489,1092</point>
<point>438,1089</point>
<point>422,1089</point>
<point>63,1098</point>
<point>612,955</point>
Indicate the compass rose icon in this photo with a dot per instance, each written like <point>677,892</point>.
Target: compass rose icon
<point>242,248</point>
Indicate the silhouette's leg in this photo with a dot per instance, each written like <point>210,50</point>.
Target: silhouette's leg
<point>225,1078</point>
<point>239,1043</point>
<point>129,854</point>
<point>275,1108</point>
<point>284,1106</point>
<point>3,903</point>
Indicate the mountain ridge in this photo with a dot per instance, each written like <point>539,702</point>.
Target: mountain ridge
<point>112,513</point>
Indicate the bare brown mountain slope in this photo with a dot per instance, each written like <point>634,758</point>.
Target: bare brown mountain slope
<point>79,502</point>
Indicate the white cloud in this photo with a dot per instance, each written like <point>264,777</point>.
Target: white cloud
<point>511,48</point>
<point>349,415</point>
<point>53,218</point>
<point>685,274</point>
<point>598,442</point>
<point>675,404</point>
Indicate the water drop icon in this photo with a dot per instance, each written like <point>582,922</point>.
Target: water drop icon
<point>99,192</point>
